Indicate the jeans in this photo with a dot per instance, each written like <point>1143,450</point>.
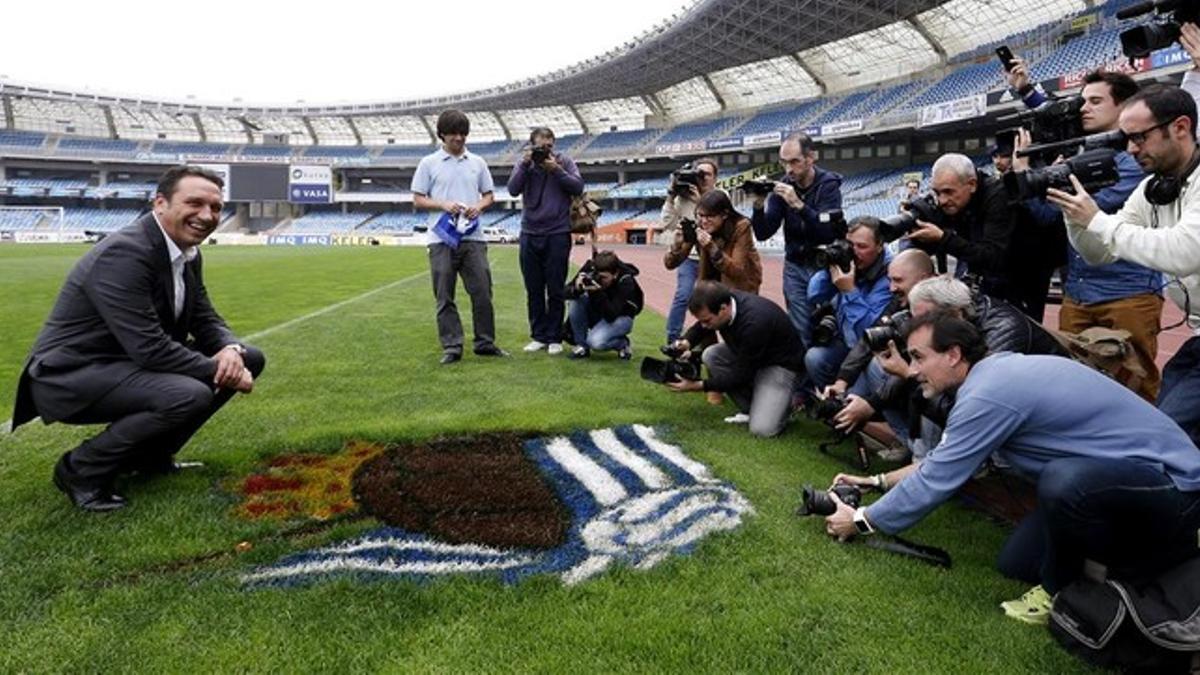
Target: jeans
<point>605,335</point>
<point>871,381</point>
<point>544,261</point>
<point>766,396</point>
<point>1179,395</point>
<point>1123,514</point>
<point>795,294</point>
<point>685,280</point>
<point>821,364</point>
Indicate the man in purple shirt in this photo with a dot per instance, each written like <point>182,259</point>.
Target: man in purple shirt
<point>547,180</point>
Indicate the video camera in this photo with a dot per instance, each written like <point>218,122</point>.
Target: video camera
<point>1161,33</point>
<point>1051,122</point>
<point>890,329</point>
<point>539,154</point>
<point>672,370</point>
<point>1113,140</point>
<point>814,502</point>
<point>1094,169</point>
<point>682,178</point>
<point>924,208</point>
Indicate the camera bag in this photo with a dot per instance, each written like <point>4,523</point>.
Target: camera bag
<point>584,215</point>
<point>1107,350</point>
<point>1148,625</point>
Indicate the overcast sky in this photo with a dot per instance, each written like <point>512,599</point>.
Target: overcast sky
<point>270,51</point>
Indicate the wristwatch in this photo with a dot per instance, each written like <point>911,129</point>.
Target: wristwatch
<point>861,523</point>
<point>236,347</point>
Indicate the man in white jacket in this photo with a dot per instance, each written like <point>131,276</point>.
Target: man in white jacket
<point>1158,227</point>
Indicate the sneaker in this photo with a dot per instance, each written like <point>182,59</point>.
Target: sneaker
<point>535,346</point>
<point>740,418</point>
<point>554,348</point>
<point>625,353</point>
<point>1032,608</point>
<point>580,352</point>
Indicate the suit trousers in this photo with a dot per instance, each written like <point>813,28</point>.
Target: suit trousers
<point>151,416</point>
<point>1138,314</point>
<point>544,262</point>
<point>445,266</point>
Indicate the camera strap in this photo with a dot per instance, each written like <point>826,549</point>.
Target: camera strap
<point>892,544</point>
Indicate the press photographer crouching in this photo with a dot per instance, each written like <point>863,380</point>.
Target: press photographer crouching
<point>1158,227</point>
<point>853,288</point>
<point>604,298</point>
<point>724,241</point>
<point>868,390</point>
<point>758,362</point>
<point>1117,482</point>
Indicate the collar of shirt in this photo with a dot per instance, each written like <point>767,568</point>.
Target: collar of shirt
<point>174,253</point>
<point>443,155</point>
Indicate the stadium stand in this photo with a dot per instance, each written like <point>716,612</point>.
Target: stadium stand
<point>99,220</point>
<point>389,129</point>
<point>394,222</point>
<point>20,219</point>
<point>323,222</point>
<point>150,124</point>
<point>19,139</point>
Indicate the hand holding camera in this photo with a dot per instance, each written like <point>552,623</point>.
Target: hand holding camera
<point>843,279</point>
<point>892,360</point>
<point>788,194</point>
<point>853,415</point>
<point>586,281</point>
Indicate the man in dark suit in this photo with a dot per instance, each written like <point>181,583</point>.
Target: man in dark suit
<point>133,341</point>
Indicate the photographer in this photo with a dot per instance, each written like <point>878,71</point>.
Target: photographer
<point>605,296</point>
<point>548,180</point>
<point>796,204</point>
<point>858,294</point>
<point>1002,159</point>
<point>1122,294</point>
<point>1158,227</point>
<point>1115,478</point>
<point>861,379</point>
<point>759,360</point>
<point>724,241</point>
<point>977,223</point>
<point>680,205</point>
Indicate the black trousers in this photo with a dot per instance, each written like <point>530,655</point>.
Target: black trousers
<point>151,416</point>
<point>544,262</point>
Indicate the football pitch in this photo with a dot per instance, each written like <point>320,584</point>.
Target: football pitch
<point>352,356</point>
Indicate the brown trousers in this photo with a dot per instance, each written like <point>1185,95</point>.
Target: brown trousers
<point>1138,314</point>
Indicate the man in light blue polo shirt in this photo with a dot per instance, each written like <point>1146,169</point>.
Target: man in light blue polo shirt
<point>456,186</point>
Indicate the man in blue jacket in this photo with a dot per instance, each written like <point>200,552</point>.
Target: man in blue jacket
<point>548,180</point>
<point>858,296</point>
<point>797,203</point>
<point>1122,294</point>
<point>1118,482</point>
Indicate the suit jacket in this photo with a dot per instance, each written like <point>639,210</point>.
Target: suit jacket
<point>114,316</point>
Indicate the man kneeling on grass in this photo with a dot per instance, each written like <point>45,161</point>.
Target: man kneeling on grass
<point>1118,482</point>
<point>758,362</point>
<point>605,296</point>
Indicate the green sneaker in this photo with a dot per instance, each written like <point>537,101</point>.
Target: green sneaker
<point>1033,607</point>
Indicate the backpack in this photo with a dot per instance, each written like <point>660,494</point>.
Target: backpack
<point>1107,350</point>
<point>1150,625</point>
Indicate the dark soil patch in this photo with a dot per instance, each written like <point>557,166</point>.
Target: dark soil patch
<point>480,490</point>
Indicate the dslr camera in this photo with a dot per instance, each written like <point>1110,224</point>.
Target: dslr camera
<point>890,329</point>
<point>674,369</point>
<point>587,280</point>
<point>815,502</point>
<point>1161,33</point>
<point>687,227</point>
<point>682,178</point>
<point>824,409</point>
<point>838,252</point>
<point>1094,168</point>
<point>539,154</point>
<point>923,208</point>
<point>824,325</point>
<point>759,187</point>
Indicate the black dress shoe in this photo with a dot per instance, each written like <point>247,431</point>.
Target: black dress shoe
<point>450,357</point>
<point>490,350</point>
<point>87,497</point>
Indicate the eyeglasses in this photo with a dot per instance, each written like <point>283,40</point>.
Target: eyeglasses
<point>704,216</point>
<point>705,174</point>
<point>1139,137</point>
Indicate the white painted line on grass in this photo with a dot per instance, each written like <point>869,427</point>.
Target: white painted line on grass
<point>6,427</point>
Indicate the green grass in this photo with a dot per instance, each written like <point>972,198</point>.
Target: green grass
<point>135,590</point>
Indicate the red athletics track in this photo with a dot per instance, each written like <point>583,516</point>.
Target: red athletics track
<point>659,287</point>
